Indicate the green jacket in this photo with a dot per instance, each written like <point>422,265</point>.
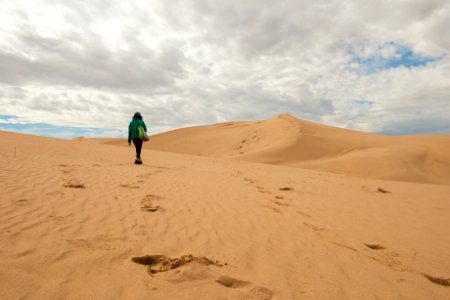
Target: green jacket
<point>133,132</point>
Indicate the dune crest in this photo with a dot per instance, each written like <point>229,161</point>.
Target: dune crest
<point>286,140</point>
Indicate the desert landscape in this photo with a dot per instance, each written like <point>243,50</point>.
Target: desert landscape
<point>273,209</point>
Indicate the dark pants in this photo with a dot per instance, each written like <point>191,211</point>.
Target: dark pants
<point>138,145</point>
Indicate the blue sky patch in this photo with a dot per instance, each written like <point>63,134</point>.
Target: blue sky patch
<point>364,103</point>
<point>12,123</point>
<point>390,55</point>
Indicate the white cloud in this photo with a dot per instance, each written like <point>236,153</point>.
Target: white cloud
<point>181,63</point>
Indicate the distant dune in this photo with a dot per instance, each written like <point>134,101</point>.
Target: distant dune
<point>286,140</point>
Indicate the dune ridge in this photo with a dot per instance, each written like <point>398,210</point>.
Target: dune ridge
<point>286,140</point>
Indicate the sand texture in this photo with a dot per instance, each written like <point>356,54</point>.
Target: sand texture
<point>229,211</point>
<point>288,141</point>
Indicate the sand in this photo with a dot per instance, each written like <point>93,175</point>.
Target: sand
<point>317,213</point>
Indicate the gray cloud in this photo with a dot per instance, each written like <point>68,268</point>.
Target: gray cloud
<point>82,56</point>
<point>93,66</point>
<point>182,63</point>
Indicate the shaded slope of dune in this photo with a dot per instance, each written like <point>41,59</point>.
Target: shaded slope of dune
<point>286,140</point>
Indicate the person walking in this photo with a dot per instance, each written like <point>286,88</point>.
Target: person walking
<point>133,135</point>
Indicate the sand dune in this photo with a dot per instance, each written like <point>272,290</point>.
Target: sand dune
<point>288,141</point>
<point>78,220</point>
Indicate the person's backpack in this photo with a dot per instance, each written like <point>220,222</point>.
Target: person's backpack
<point>142,134</point>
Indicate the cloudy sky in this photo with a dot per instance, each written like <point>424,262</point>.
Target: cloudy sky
<point>73,67</point>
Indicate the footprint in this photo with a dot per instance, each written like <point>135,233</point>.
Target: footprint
<point>74,185</point>
<point>22,202</point>
<point>304,214</point>
<point>231,282</point>
<point>263,190</point>
<point>286,188</point>
<point>438,280</point>
<point>280,203</point>
<point>249,180</point>
<point>375,246</point>
<point>387,258</point>
<point>147,203</point>
<point>257,292</point>
<point>147,260</point>
<point>150,208</point>
<point>314,227</point>
<point>345,247</point>
<point>129,186</point>
<point>162,263</point>
<point>274,209</point>
<point>380,190</point>
<point>65,169</point>
<point>262,293</point>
